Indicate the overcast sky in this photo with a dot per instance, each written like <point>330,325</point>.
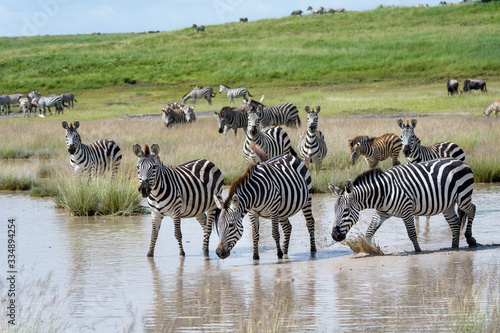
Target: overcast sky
<point>66,17</point>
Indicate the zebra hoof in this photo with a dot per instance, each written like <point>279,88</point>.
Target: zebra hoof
<point>205,253</point>
<point>472,242</point>
<point>280,255</point>
<point>256,256</point>
<point>182,253</point>
<point>150,254</point>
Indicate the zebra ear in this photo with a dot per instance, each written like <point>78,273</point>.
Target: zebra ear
<point>155,149</point>
<point>318,108</point>
<point>401,124</point>
<point>234,202</point>
<point>335,190</point>
<point>348,186</point>
<point>217,113</point>
<point>137,150</point>
<point>65,125</point>
<point>218,201</point>
<point>308,110</point>
<point>76,124</point>
<point>259,109</point>
<point>414,123</point>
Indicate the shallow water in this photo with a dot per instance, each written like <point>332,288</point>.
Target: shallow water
<point>97,271</point>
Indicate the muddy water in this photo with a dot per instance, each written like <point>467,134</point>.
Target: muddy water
<point>97,273</point>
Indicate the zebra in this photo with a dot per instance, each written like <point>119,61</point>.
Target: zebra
<point>42,102</point>
<point>319,10</point>
<point>297,12</point>
<point>198,27</point>
<point>189,113</point>
<point>26,106</point>
<point>94,159</point>
<point>15,98</point>
<point>375,149</point>
<point>312,145</point>
<point>171,116</point>
<point>329,11</point>
<point>243,19</point>
<point>261,192</point>
<point>417,153</point>
<point>5,104</point>
<point>405,191</point>
<point>340,10</point>
<point>183,191</point>
<point>69,98</point>
<point>493,107</point>
<point>229,117</point>
<point>274,141</point>
<point>234,93</point>
<point>285,114</point>
<point>199,92</point>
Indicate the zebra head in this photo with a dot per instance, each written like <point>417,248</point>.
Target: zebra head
<point>148,164</point>
<point>355,152</point>
<point>34,94</point>
<point>312,119</point>
<point>223,88</point>
<point>189,113</point>
<point>408,137</point>
<point>346,211</point>
<point>230,224</point>
<point>221,119</point>
<point>254,122</point>
<point>73,139</point>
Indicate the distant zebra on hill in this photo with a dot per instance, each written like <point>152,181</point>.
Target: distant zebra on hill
<point>198,27</point>
<point>492,108</point>
<point>229,117</point>
<point>234,93</point>
<point>244,20</point>
<point>286,114</point>
<point>312,146</point>
<point>69,98</point>
<point>297,12</point>
<point>94,159</point>
<point>198,93</point>
<point>375,149</point>
<point>319,10</point>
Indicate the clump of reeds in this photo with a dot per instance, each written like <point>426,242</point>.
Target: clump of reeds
<point>13,182</point>
<point>359,244</point>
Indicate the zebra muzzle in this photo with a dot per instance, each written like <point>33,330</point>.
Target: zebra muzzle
<point>145,189</point>
<point>406,150</point>
<point>222,251</point>
<point>221,130</point>
<point>337,235</point>
<point>71,149</point>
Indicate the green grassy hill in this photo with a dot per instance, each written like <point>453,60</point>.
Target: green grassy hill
<point>387,44</point>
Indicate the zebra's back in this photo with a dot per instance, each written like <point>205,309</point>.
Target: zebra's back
<point>436,151</point>
<point>492,108</point>
<point>286,114</point>
<point>101,156</point>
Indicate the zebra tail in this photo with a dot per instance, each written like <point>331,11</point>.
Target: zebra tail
<point>292,152</point>
<point>249,93</point>
<point>75,99</point>
<point>214,94</point>
<point>298,121</point>
<point>462,217</point>
<point>67,106</point>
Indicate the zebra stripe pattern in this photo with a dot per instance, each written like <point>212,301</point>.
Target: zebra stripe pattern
<point>274,141</point>
<point>198,93</point>
<point>183,114</point>
<point>405,191</point>
<point>94,159</point>
<point>285,114</point>
<point>42,102</point>
<point>183,191</point>
<point>417,153</point>
<point>375,149</point>
<point>234,118</point>
<point>69,98</point>
<point>234,93</point>
<point>312,146</point>
<point>261,192</point>
<point>492,108</point>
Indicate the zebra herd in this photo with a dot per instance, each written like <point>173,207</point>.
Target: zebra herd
<point>34,101</point>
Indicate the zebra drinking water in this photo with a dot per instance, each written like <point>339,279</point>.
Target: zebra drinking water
<point>229,117</point>
<point>234,93</point>
<point>183,191</point>
<point>275,189</point>
<point>375,149</point>
<point>405,191</point>
<point>285,114</point>
<point>198,93</point>
<point>94,159</point>
<point>312,147</point>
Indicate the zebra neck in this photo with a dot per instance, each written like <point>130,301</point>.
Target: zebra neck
<point>370,195</point>
<point>163,181</point>
<point>82,153</point>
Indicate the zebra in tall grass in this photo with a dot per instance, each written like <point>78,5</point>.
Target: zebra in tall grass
<point>418,153</point>
<point>92,160</point>
<point>312,146</point>
<point>199,92</point>
<point>406,191</point>
<point>42,102</point>
<point>69,98</point>
<point>275,189</point>
<point>375,149</point>
<point>198,27</point>
<point>229,117</point>
<point>5,104</point>
<point>182,114</point>
<point>285,114</point>
<point>234,93</point>
<point>183,191</point>
<point>492,108</point>
<point>274,141</point>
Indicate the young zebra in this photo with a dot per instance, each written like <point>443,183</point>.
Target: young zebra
<point>229,117</point>
<point>375,149</point>
<point>285,114</point>
<point>199,92</point>
<point>198,27</point>
<point>94,159</point>
<point>171,116</point>
<point>261,192</point>
<point>417,153</point>
<point>69,98</point>
<point>5,104</point>
<point>183,191</point>
<point>492,108</point>
<point>312,147</point>
<point>42,102</point>
<point>274,141</point>
<point>405,191</point>
<point>25,106</point>
<point>234,93</point>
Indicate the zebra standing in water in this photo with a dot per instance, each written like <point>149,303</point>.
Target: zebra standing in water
<point>42,102</point>
<point>275,189</point>
<point>274,141</point>
<point>375,149</point>
<point>69,98</point>
<point>276,115</point>
<point>424,189</point>
<point>492,108</point>
<point>234,118</point>
<point>183,191</point>
<point>94,159</point>
<point>234,93</point>
<point>312,147</point>
<point>199,92</point>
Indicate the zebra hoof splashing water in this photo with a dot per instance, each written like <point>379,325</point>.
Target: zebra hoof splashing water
<point>260,192</point>
<point>406,191</point>
<point>179,192</point>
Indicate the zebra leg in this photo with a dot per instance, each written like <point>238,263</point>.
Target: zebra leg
<point>409,222</point>
<point>155,228</point>
<point>469,213</point>
<point>276,236</point>
<point>395,160</point>
<point>178,235</point>
<point>287,231</point>
<point>254,219</point>
<point>202,220</point>
<point>455,226</point>
<point>377,220</point>
<point>307,211</point>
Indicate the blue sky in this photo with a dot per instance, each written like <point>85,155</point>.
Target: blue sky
<point>64,17</point>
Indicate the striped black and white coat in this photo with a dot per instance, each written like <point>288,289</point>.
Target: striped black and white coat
<point>405,191</point>
<point>229,117</point>
<point>42,102</point>
<point>26,107</point>
<point>183,191</point>
<point>286,114</point>
<point>375,149</point>
<point>274,141</point>
<point>275,189</point>
<point>492,108</point>
<point>15,98</point>
<point>5,104</point>
<point>234,93</point>
<point>312,146</point>
<point>181,115</point>
<point>95,159</point>
<point>199,93</point>
<point>415,152</point>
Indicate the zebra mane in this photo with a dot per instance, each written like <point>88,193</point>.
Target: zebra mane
<point>368,176</point>
<point>237,184</point>
<point>359,138</point>
<point>146,150</point>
